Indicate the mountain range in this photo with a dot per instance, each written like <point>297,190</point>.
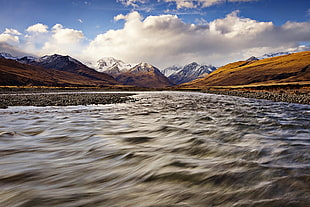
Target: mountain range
<point>59,70</point>
<point>187,73</point>
<point>107,72</point>
<point>290,68</point>
<point>54,70</point>
<point>140,75</point>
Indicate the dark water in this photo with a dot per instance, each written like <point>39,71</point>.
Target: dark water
<point>166,149</point>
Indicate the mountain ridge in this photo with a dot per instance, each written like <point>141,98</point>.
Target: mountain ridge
<point>281,69</point>
<point>189,72</point>
<point>51,64</point>
<point>144,75</point>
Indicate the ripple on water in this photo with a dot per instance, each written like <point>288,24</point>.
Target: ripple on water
<point>165,149</point>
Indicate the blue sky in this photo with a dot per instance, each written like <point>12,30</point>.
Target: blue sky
<point>89,29</point>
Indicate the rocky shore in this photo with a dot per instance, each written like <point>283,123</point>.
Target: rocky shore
<point>78,96</point>
<point>62,99</point>
<point>300,98</point>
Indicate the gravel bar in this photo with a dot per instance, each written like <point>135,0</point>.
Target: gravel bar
<point>300,98</point>
<point>63,99</point>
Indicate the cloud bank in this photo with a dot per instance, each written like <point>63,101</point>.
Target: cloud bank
<point>165,40</point>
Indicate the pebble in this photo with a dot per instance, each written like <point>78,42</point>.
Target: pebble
<point>300,98</point>
<point>38,99</point>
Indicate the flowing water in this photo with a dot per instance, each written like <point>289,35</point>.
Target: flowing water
<point>165,149</point>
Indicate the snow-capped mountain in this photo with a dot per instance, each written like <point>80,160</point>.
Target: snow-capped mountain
<point>25,59</point>
<point>270,55</point>
<point>112,66</point>
<point>7,56</point>
<point>58,62</point>
<point>144,68</point>
<point>171,70</point>
<point>144,75</point>
<point>69,64</point>
<point>252,58</point>
<point>190,72</point>
<point>53,70</point>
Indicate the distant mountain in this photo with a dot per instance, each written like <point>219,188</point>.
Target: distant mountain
<point>171,70</point>
<point>252,59</point>
<point>281,69</point>
<point>112,66</point>
<point>13,73</point>
<point>67,70</point>
<point>69,64</point>
<point>143,75</point>
<point>7,56</point>
<point>189,72</point>
<point>276,54</point>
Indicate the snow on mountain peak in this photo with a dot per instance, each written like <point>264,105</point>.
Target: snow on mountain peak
<point>187,73</point>
<point>7,56</point>
<point>143,67</point>
<point>110,64</point>
<point>276,54</point>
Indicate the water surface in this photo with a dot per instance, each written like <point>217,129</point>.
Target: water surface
<point>165,149</point>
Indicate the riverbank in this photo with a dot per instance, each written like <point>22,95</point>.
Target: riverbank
<point>300,98</point>
<point>45,96</point>
<point>59,98</point>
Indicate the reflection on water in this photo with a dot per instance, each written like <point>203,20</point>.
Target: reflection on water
<point>166,149</point>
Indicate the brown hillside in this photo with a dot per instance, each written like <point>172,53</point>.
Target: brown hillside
<point>144,75</point>
<point>145,79</point>
<point>282,69</point>
<point>13,73</point>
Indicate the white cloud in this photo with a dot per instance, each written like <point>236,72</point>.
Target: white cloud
<point>10,36</point>
<point>133,3</point>
<point>41,40</point>
<point>165,40</point>
<point>11,31</point>
<point>63,40</point>
<point>37,28</point>
<point>10,39</point>
<point>119,17</point>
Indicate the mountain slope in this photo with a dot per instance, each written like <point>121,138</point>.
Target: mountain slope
<point>144,75</point>
<point>171,70</point>
<point>190,72</point>
<point>112,66</point>
<point>13,73</point>
<point>282,69</point>
<point>68,64</point>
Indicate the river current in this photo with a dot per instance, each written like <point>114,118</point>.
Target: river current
<point>165,149</point>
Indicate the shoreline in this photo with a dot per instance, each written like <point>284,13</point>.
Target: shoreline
<point>62,99</point>
<point>16,96</point>
<point>298,98</point>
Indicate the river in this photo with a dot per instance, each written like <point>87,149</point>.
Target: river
<point>165,149</point>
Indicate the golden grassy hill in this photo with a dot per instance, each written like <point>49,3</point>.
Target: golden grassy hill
<point>277,70</point>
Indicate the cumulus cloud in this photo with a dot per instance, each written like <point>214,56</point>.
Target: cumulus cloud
<point>10,36</point>
<point>58,39</point>
<point>11,31</point>
<point>164,40</point>
<point>37,28</point>
<point>11,39</point>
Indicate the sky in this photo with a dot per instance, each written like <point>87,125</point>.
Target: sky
<point>160,32</point>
